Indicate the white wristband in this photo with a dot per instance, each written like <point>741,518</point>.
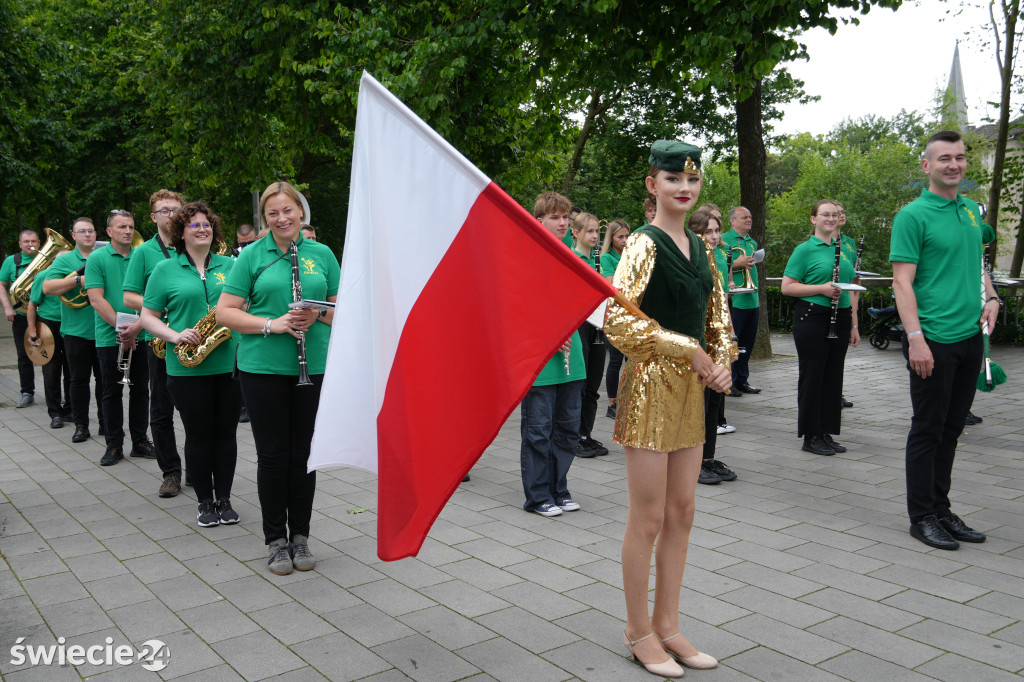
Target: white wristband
<point>909,334</point>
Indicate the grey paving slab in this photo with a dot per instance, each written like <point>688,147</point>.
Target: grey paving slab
<point>801,569</point>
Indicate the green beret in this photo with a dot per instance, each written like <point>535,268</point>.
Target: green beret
<point>678,157</point>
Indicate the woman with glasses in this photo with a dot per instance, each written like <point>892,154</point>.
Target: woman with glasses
<point>810,276</point>
<point>187,286</point>
<point>282,411</point>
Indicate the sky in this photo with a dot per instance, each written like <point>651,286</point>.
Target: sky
<point>892,61</point>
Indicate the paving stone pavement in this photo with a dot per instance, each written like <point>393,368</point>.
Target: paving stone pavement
<point>802,569</point>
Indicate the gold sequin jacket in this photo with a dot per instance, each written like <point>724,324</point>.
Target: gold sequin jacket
<point>661,398</point>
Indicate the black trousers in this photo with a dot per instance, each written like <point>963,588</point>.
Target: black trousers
<point>56,374</point>
<point>820,385</point>
<point>940,403</point>
<point>26,370</point>
<point>712,405</point>
<point>282,416</point>
<point>138,396</point>
<point>161,415</point>
<point>82,360</point>
<point>593,359</point>
<point>208,406</point>
<point>744,323</point>
<point>611,380</point>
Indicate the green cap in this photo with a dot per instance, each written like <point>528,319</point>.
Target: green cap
<point>678,157</point>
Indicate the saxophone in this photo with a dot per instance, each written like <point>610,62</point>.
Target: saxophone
<point>159,347</point>
<point>191,355</point>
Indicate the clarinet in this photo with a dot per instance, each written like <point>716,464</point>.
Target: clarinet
<point>296,297</point>
<point>595,253</point>
<point>835,301</point>
<point>860,253</point>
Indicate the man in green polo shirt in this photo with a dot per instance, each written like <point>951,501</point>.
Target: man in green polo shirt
<point>745,308</point>
<point>936,251</point>
<point>104,280</point>
<point>163,204</point>
<point>14,265</point>
<point>43,309</point>
<point>78,326</point>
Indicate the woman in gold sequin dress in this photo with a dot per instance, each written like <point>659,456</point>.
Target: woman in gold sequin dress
<point>670,274</point>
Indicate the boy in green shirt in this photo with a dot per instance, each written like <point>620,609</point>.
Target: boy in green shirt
<point>551,409</point>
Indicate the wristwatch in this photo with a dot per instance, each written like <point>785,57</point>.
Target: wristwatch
<point>996,299</point>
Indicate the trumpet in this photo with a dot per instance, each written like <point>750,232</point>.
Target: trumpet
<point>124,364</point>
<point>748,281</point>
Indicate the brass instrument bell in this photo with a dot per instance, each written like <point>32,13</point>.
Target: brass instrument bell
<point>748,281</point>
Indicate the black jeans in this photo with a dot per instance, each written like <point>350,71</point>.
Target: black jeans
<point>56,374</point>
<point>593,360</point>
<point>611,380</point>
<point>82,360</point>
<point>161,415</point>
<point>138,396</point>
<point>744,323</point>
<point>712,404</point>
<point>940,403</point>
<point>282,416</point>
<point>820,385</point>
<point>208,406</point>
<point>26,370</point>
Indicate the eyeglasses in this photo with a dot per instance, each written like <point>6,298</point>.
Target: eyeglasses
<point>122,212</point>
<point>829,215</point>
<point>166,211</point>
<point>196,226</point>
<point>84,231</point>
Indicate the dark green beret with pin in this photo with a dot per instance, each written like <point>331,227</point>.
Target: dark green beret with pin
<point>675,156</point>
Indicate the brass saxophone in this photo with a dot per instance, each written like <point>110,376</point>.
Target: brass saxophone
<point>191,355</point>
<point>159,347</point>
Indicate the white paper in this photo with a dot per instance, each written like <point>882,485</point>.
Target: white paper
<point>597,317</point>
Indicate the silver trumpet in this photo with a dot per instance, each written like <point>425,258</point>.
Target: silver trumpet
<point>124,355</point>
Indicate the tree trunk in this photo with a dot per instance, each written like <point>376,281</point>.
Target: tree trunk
<point>1018,251</point>
<point>753,160</point>
<point>595,109</point>
<point>1002,132</point>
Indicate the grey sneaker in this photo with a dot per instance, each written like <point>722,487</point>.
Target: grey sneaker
<point>280,561</point>
<point>302,559</point>
<point>207,514</point>
<point>26,400</point>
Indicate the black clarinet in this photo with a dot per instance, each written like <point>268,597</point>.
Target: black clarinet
<point>860,254</point>
<point>835,301</point>
<point>296,297</point>
<point>595,253</point>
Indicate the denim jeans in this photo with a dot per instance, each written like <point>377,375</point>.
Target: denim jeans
<point>550,431</point>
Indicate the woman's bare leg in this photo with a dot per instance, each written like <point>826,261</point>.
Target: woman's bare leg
<point>670,561</point>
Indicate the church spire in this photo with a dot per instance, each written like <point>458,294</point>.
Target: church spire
<point>955,91</point>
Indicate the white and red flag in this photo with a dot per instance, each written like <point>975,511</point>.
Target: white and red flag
<point>452,300</point>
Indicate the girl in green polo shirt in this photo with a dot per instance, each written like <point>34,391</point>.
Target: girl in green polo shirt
<point>281,412</point>
<point>615,236</point>
<point>808,276</point>
<point>187,286</point>
<point>586,233</point>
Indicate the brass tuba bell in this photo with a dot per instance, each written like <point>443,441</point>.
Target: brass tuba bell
<point>748,281</point>
<point>22,287</point>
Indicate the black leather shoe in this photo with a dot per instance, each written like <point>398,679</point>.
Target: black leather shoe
<point>932,533</point>
<point>960,530</point>
<point>81,434</point>
<point>816,445</point>
<point>143,449</point>
<point>707,474</point>
<point>112,456</point>
<point>747,388</point>
<point>972,419</point>
<point>832,444</point>
<point>733,393</point>
<point>26,400</point>
<point>612,411</point>
<point>844,402</point>
<point>57,422</point>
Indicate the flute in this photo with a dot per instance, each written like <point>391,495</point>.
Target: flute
<point>835,301</point>
<point>296,297</point>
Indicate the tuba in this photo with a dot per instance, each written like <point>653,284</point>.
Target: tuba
<point>190,355</point>
<point>748,281</point>
<point>22,287</point>
<point>79,298</point>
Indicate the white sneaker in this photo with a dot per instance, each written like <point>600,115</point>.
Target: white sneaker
<point>568,505</point>
<point>548,509</point>
<point>726,428</point>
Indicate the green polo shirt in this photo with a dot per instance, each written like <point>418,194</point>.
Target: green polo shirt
<point>568,239</point>
<point>742,301</point>
<point>587,258</point>
<point>105,269</point>
<point>609,262</point>
<point>813,262</point>
<point>943,238</point>
<point>47,307</point>
<point>80,323</point>
<point>175,285</point>
<point>722,263</point>
<point>10,272</point>
<point>554,372</point>
<point>145,258</point>
<point>849,248</point>
<point>319,273</point>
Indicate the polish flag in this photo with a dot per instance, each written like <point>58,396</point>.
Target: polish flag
<point>452,300</point>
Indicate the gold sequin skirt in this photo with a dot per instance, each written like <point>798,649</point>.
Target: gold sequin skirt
<point>660,406</point>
